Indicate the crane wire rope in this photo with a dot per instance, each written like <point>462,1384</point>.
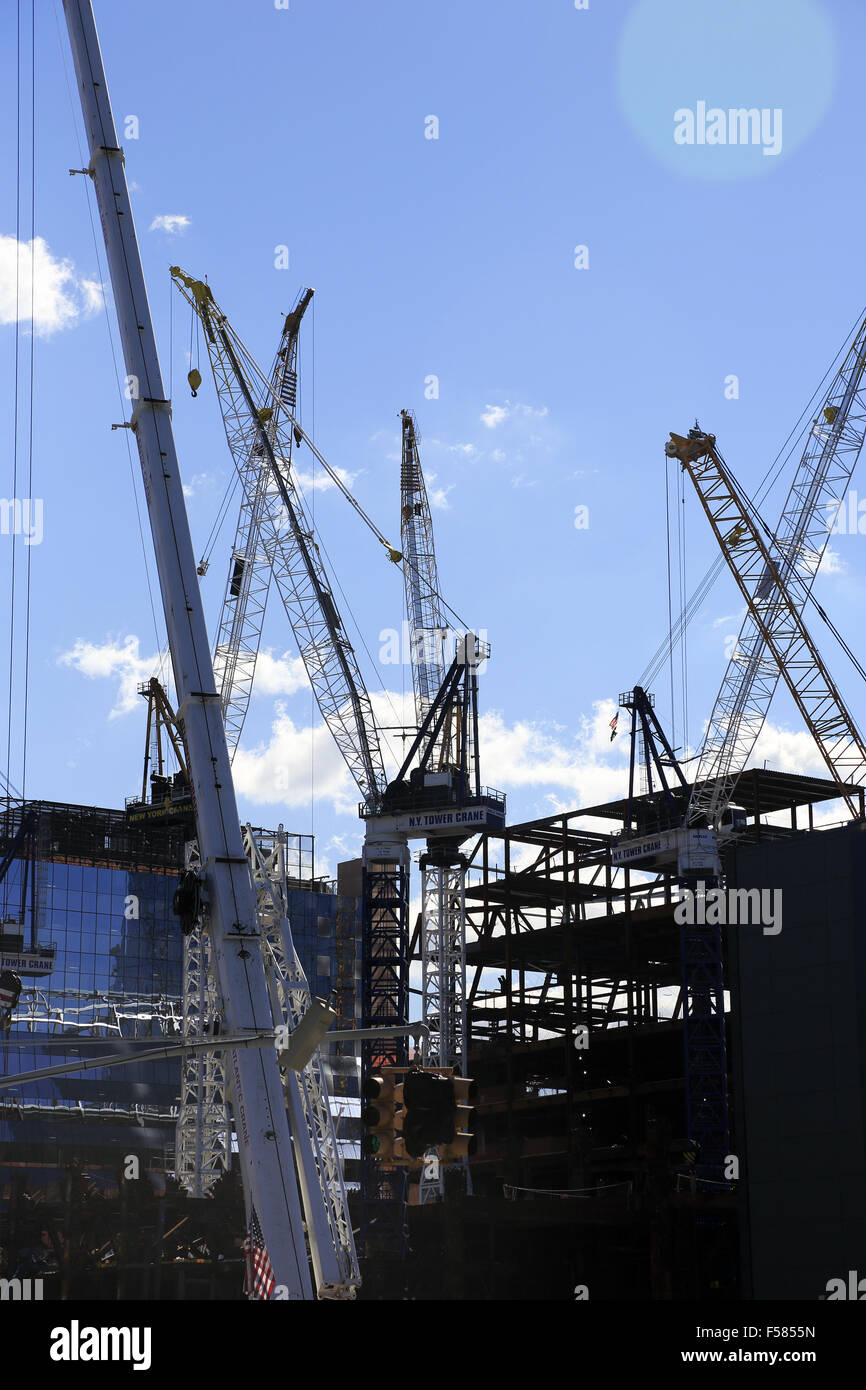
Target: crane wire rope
<point>793,577</point>
<point>300,1261</point>
<point>31,392</point>
<point>773,472</point>
<point>162,646</point>
<point>254,369</point>
<point>10,692</point>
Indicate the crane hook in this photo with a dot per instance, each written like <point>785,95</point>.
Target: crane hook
<point>194,379</point>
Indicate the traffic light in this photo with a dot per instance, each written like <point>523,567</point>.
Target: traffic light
<point>428,1111</point>
<point>465,1091</point>
<point>379,1091</point>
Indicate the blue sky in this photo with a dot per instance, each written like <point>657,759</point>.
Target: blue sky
<point>455,258</point>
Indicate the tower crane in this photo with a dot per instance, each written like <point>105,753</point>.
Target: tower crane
<point>765,572</point>
<point>250,569</point>
<point>443,867</point>
<point>260,426</point>
<point>833,446</point>
<point>223,889</point>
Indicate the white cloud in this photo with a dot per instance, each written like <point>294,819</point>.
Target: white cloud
<point>520,480</point>
<point>61,296</point>
<point>170,222</point>
<point>294,762</point>
<point>199,482</point>
<point>438,496</point>
<point>730,618</point>
<point>832,563</point>
<point>494,415</point>
<point>587,768</point>
<point>283,675</point>
<point>121,661</point>
<point>320,481</point>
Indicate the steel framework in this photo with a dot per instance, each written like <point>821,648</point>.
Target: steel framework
<point>249,578</point>
<point>833,446</point>
<point>260,444</point>
<point>203,1130</point>
<point>764,576</point>
<point>332,1244</point>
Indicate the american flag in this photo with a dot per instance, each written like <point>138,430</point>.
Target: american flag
<point>259,1279</point>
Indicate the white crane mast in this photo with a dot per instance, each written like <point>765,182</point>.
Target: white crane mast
<point>229,901</point>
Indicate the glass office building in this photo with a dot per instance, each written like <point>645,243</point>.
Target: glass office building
<point>88,928</point>
<point>86,924</point>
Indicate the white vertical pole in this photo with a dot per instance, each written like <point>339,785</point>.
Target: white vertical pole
<point>264,1141</point>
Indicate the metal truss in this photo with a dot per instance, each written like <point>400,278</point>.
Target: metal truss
<point>765,577</point>
<point>203,1131</point>
<point>427,628</point>
<point>252,422</point>
<point>832,448</point>
<point>443,963</point>
<point>704,1045</point>
<point>249,577</point>
<point>329,1225</point>
<point>443,985</point>
<point>385,995</point>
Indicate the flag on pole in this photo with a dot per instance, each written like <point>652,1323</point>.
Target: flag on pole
<point>259,1279</point>
<point>612,726</point>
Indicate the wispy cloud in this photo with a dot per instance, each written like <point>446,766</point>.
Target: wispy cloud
<point>170,222</point>
<point>118,659</point>
<point>438,496</point>
<point>320,481</point>
<point>199,482</point>
<point>495,415</point>
<point>832,563</point>
<point>62,297</point>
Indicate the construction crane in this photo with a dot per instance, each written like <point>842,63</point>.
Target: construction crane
<point>222,890</point>
<point>765,571</point>
<point>443,867</point>
<point>258,422</point>
<point>833,445</point>
<point>250,565</point>
<point>203,1137</point>
<point>261,428</point>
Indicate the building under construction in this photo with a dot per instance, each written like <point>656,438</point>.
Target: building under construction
<point>583,1180</point>
<point>90,933</point>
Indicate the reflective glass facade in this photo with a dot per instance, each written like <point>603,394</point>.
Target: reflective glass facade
<point>103,901</point>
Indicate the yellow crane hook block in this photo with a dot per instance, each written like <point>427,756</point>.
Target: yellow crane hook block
<point>194,379</point>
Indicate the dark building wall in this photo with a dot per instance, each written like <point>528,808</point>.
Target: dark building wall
<point>799,1039</point>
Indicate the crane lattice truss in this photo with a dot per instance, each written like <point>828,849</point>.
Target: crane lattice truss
<point>443,962</point>
<point>258,429</point>
<point>203,1129</point>
<point>443,887</point>
<point>332,1245</point>
<point>833,446</point>
<point>427,629</point>
<point>225,890</point>
<point>385,1004</point>
<point>249,577</point>
<point>765,580</point>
